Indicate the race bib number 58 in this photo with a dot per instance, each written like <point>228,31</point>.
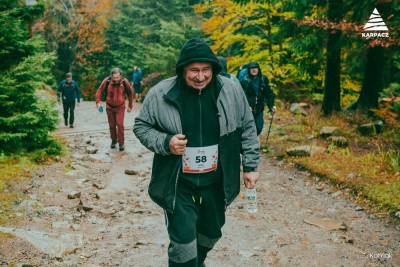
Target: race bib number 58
<point>200,159</point>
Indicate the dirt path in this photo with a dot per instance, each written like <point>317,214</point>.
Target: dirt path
<point>116,224</point>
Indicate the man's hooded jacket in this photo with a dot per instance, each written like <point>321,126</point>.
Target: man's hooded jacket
<point>165,113</point>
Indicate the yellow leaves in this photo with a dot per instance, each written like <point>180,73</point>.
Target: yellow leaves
<point>245,27</point>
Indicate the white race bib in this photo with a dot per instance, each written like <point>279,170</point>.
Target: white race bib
<point>200,159</point>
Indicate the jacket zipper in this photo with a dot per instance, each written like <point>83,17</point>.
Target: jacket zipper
<point>176,188</point>
<point>201,128</point>
<point>226,117</point>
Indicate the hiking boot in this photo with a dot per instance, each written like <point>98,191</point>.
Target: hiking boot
<point>113,143</point>
<point>65,123</point>
<point>71,126</point>
<point>121,148</point>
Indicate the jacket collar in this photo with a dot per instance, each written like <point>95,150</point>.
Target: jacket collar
<point>174,93</point>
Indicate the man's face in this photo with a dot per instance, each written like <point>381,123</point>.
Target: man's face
<point>69,79</point>
<point>116,77</point>
<point>198,74</point>
<point>254,71</point>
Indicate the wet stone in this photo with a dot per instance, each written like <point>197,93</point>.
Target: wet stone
<point>78,156</point>
<point>99,185</point>
<point>91,150</point>
<point>338,141</point>
<point>131,172</point>
<point>327,131</point>
<point>74,195</point>
<point>358,208</point>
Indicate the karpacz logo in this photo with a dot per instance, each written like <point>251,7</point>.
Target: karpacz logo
<point>375,27</point>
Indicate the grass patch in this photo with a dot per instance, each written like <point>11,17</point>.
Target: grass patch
<point>16,171</point>
<point>369,168</point>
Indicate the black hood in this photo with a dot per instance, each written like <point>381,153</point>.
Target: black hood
<point>224,65</point>
<point>196,50</point>
<point>252,65</point>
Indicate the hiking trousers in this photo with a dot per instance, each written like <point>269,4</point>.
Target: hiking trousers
<point>259,121</point>
<point>116,123</point>
<point>195,225</point>
<point>69,107</point>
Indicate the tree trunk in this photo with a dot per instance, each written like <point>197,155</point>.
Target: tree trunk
<point>331,99</point>
<point>372,83</point>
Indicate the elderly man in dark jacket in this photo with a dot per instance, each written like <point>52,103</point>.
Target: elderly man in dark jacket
<point>197,124</point>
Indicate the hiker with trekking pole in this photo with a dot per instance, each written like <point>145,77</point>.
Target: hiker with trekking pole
<point>258,93</point>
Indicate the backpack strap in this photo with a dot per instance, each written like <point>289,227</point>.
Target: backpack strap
<point>126,88</point>
<point>104,95</point>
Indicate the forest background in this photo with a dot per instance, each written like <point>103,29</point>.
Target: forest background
<point>311,50</point>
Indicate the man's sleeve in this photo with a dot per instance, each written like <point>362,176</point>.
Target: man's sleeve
<point>144,128</point>
<point>77,92</point>
<point>100,90</point>
<point>250,141</point>
<point>269,94</point>
<point>131,93</point>
<point>59,91</point>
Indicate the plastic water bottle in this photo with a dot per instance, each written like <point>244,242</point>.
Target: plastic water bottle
<point>101,109</point>
<point>251,197</point>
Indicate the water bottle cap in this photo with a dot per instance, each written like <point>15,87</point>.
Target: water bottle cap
<point>100,109</point>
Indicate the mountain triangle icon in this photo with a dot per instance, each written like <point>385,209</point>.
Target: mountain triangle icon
<point>375,22</point>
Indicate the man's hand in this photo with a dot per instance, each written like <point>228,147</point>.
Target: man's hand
<point>98,105</point>
<point>250,179</point>
<point>129,109</point>
<point>78,104</point>
<point>273,110</point>
<point>177,144</point>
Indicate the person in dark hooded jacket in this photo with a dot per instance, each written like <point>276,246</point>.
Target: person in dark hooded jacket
<point>224,71</point>
<point>258,93</point>
<point>197,124</point>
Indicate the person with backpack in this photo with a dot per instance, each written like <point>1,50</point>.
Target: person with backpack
<point>242,72</point>
<point>113,90</point>
<point>137,82</point>
<point>68,91</point>
<point>258,93</point>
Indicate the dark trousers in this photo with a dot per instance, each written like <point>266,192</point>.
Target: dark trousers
<point>195,225</point>
<point>259,120</point>
<point>116,123</point>
<point>69,107</point>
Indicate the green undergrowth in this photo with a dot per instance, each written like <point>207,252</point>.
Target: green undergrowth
<point>368,170</point>
<point>16,172</point>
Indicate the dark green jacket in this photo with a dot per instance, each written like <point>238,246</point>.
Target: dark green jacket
<point>160,119</point>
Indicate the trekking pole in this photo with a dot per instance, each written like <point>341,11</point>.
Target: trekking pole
<point>269,130</point>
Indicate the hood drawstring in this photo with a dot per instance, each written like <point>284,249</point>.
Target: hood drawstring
<point>200,197</point>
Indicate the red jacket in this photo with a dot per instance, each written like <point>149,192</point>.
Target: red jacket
<point>115,93</point>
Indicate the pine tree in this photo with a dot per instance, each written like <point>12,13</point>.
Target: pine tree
<point>25,119</point>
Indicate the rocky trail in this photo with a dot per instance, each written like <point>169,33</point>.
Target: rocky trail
<point>91,208</point>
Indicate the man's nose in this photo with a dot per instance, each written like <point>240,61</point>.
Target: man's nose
<point>200,76</point>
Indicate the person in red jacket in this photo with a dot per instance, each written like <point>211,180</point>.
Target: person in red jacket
<point>115,87</point>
